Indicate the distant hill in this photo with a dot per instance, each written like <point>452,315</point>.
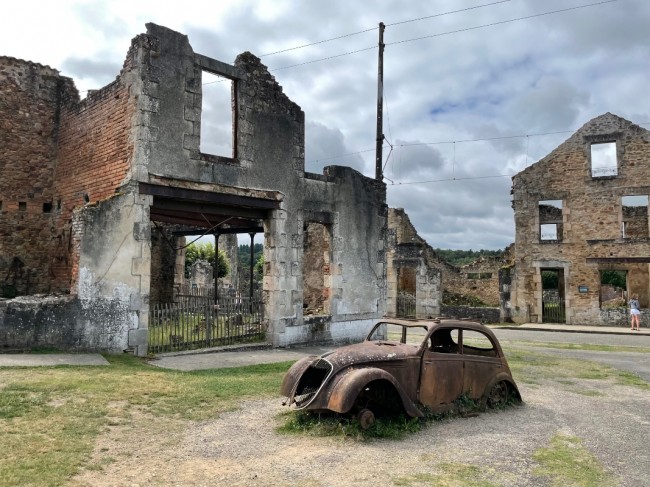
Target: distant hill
<point>462,257</point>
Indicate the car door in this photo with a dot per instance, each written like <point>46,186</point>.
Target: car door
<point>441,377</point>
<point>482,362</point>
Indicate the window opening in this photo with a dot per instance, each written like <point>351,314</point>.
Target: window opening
<point>476,343</point>
<point>47,207</point>
<point>445,341</point>
<point>603,160</point>
<point>550,220</point>
<point>22,206</point>
<point>613,288</point>
<point>217,126</point>
<point>406,292</point>
<point>316,269</point>
<point>479,275</point>
<point>634,216</point>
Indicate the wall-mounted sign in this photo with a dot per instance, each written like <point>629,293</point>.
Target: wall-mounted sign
<point>583,289</point>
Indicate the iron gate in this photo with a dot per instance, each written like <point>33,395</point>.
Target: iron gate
<point>405,305</point>
<point>193,321</point>
<point>553,308</point>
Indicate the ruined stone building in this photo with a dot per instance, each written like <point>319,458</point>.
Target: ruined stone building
<point>418,278</point>
<point>414,278</point>
<point>581,212</point>
<point>92,189</point>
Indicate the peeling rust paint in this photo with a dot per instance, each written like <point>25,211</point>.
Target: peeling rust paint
<point>392,374</point>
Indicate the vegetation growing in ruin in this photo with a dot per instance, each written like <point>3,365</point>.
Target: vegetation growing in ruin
<point>457,299</point>
<point>462,257</point>
<point>205,251</point>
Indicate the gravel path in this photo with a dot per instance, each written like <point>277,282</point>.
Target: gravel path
<point>241,448</point>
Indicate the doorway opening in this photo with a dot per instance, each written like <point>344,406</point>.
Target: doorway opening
<point>553,297</point>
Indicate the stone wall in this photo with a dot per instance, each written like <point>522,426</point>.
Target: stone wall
<point>87,213</point>
<point>60,154</point>
<point>408,251</point>
<point>482,315</point>
<point>32,245</point>
<point>592,217</point>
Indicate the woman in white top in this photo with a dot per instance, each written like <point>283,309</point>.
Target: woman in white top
<point>634,312</point>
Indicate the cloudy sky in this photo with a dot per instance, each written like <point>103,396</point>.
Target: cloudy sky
<point>475,90</point>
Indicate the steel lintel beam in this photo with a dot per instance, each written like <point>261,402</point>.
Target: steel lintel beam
<point>197,196</point>
<point>164,204</point>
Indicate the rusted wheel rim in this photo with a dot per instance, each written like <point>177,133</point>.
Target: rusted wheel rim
<point>366,418</point>
<point>498,395</point>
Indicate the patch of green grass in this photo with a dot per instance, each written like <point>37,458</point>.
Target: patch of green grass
<point>589,393</point>
<point>451,475</point>
<point>50,416</point>
<point>567,462</point>
<point>531,366</point>
<point>391,427</point>
<point>584,346</point>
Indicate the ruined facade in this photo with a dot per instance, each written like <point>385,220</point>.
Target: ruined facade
<point>581,212</point>
<point>84,185</point>
<point>417,273</point>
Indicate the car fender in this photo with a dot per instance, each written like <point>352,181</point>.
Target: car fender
<point>503,376</point>
<point>346,389</point>
<point>294,374</point>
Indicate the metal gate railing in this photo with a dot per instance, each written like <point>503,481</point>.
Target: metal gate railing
<point>405,305</point>
<point>194,322</point>
<point>553,309</point>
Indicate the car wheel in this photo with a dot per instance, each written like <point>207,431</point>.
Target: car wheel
<point>498,395</point>
<point>366,418</point>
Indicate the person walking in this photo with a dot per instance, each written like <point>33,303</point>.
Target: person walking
<point>634,312</point>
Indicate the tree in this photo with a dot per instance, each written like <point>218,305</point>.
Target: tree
<point>205,251</point>
<point>617,279</point>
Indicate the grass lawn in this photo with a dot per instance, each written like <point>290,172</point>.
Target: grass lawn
<point>51,416</point>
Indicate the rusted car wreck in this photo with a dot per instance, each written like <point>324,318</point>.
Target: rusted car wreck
<point>404,366</point>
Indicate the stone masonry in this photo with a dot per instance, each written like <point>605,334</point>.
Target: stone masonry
<point>590,224</point>
<point>82,181</point>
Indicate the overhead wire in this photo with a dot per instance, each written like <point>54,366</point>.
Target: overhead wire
<point>315,43</point>
<point>527,17</point>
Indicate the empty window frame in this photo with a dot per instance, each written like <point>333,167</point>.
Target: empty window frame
<point>479,275</point>
<point>550,220</point>
<point>603,160</point>
<point>217,121</point>
<point>613,288</point>
<point>634,221</point>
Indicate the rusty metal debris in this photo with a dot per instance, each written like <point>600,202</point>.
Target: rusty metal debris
<point>404,366</point>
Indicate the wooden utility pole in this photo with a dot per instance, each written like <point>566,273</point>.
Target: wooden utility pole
<point>380,105</point>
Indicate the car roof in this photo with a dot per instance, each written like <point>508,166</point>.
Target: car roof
<point>440,322</point>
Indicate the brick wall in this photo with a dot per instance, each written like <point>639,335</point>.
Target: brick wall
<point>30,95</point>
<point>57,154</point>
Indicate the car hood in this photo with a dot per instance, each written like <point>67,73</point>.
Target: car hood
<point>369,352</point>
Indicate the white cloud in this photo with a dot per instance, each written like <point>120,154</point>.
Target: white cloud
<point>545,74</point>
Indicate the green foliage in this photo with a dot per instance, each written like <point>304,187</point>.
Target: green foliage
<point>462,257</point>
<point>456,299</point>
<point>617,279</point>
<point>331,424</point>
<point>244,256</point>
<point>205,251</point>
<point>259,266</point>
<point>549,280</point>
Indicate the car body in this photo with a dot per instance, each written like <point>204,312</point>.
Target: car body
<point>404,365</point>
